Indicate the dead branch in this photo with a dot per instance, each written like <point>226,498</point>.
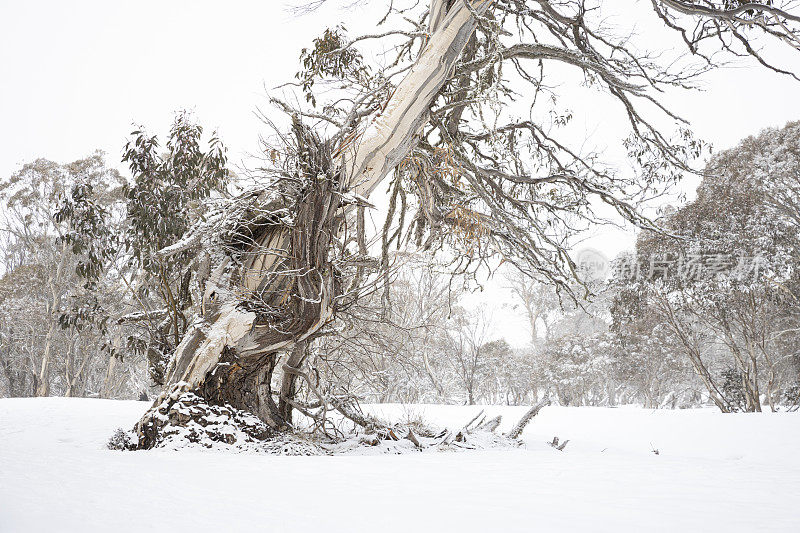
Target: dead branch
<point>517,430</point>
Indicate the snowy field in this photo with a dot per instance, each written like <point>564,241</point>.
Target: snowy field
<point>712,472</point>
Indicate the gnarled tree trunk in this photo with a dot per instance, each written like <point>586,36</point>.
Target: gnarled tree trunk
<point>283,291</point>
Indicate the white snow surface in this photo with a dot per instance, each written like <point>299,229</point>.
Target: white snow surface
<point>713,472</point>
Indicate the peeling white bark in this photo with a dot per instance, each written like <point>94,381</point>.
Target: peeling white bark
<point>389,137</point>
<point>436,15</point>
<point>231,325</point>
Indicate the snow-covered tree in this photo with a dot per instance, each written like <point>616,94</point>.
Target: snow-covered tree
<point>55,303</point>
<point>473,170</point>
<point>726,282</point>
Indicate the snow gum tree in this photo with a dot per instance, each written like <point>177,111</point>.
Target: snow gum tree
<point>58,238</point>
<point>727,289</point>
<point>462,125</point>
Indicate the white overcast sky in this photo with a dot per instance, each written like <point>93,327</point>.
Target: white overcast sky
<point>75,75</point>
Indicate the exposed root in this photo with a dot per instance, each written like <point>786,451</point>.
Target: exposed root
<point>182,419</point>
<point>478,434</point>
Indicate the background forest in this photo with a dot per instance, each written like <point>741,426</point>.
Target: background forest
<point>703,312</point>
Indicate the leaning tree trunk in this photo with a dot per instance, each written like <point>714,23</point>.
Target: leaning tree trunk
<point>283,291</point>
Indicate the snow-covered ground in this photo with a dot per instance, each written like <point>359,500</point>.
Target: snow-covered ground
<point>713,472</point>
